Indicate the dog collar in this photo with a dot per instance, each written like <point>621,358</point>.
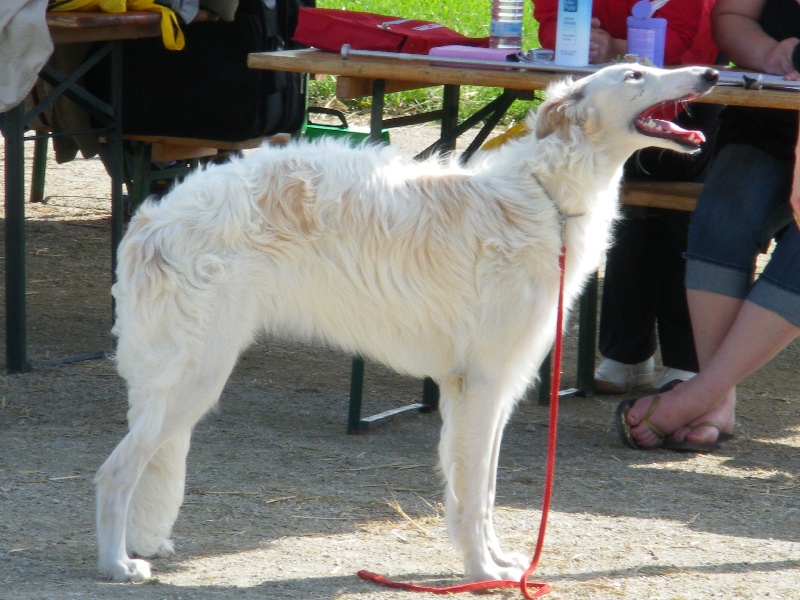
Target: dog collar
<point>562,216</point>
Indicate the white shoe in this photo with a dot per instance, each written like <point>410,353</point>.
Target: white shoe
<point>613,377</point>
<point>670,377</point>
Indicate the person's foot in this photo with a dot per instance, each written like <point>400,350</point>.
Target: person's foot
<point>646,430</point>
<point>671,377</point>
<point>680,417</point>
<point>711,427</point>
<point>614,377</point>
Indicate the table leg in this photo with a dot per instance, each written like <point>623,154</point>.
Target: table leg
<point>116,157</point>
<point>376,112</point>
<point>450,102</point>
<point>16,341</point>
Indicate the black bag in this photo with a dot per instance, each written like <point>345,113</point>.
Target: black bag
<point>206,90</point>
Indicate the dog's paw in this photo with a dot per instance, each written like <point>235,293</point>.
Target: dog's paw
<point>128,569</point>
<point>165,550</point>
<point>511,560</point>
<point>489,568</point>
<point>495,573</point>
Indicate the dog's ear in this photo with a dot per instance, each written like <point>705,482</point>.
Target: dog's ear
<point>560,108</point>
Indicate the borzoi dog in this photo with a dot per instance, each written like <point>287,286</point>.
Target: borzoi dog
<point>448,271</point>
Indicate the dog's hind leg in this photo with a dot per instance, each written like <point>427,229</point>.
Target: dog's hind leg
<point>157,499</point>
<point>141,483</point>
<point>115,482</point>
<point>474,413</point>
<point>502,559</point>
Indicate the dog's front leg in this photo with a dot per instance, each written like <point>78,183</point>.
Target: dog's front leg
<point>474,412</point>
<point>502,559</point>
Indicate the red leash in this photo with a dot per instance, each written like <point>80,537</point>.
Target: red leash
<point>540,589</point>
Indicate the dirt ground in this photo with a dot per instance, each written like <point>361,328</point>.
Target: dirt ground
<point>281,503</point>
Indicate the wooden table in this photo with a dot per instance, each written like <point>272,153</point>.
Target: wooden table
<point>400,71</point>
<point>66,28</point>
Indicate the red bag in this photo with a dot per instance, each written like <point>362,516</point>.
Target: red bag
<point>329,29</point>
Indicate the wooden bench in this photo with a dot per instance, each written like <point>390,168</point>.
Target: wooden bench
<point>147,149</point>
<point>677,195</point>
<point>184,152</point>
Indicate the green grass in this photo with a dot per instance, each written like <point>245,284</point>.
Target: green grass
<point>470,17</point>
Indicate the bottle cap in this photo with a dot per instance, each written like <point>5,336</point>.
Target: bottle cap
<point>642,9</point>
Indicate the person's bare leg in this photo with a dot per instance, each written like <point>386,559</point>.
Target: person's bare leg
<point>713,316</point>
<point>754,336</point>
<point>757,335</point>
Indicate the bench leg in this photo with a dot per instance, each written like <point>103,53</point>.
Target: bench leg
<point>356,389</point>
<point>139,179</point>
<point>40,147</point>
<point>587,338</point>
<point>357,424</point>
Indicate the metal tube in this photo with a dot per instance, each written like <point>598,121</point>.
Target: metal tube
<point>347,52</point>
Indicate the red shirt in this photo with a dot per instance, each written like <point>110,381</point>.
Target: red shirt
<point>688,39</point>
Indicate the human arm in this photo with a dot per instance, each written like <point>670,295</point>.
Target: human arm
<point>795,198</point>
<point>545,12</point>
<point>738,34</point>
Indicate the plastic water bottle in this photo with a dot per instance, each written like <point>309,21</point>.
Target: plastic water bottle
<point>506,29</point>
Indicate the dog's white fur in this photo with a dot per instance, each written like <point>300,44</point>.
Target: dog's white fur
<point>442,271</point>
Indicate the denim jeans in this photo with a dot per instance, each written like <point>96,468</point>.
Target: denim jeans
<point>743,206</point>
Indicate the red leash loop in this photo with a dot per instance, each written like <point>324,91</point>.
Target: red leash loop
<point>540,589</point>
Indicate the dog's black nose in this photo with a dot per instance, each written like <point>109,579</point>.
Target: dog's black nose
<point>711,76</point>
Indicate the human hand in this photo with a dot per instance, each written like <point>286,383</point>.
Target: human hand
<point>601,47</point>
<point>778,60</point>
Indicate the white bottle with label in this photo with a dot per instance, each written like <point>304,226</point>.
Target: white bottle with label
<point>573,29</point>
<point>506,31</point>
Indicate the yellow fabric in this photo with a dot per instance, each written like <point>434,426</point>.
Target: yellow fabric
<point>170,28</point>
<point>171,32</point>
<point>109,6</point>
<point>513,132</point>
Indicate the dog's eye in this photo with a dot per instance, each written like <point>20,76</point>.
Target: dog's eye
<point>634,75</point>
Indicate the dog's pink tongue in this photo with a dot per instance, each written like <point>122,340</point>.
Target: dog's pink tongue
<point>695,137</point>
<point>670,129</point>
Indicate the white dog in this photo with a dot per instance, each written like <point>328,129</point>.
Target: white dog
<point>442,271</point>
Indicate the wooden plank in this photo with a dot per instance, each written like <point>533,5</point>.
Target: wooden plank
<point>425,74</point>
<point>677,195</point>
<point>358,87</point>
<point>197,142</point>
<point>170,152</point>
<point>79,26</point>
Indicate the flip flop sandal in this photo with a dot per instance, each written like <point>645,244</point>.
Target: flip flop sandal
<point>624,430</point>
<point>671,385</point>
<point>687,446</point>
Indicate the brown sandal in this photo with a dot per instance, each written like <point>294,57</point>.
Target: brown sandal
<point>687,446</point>
<point>624,430</point>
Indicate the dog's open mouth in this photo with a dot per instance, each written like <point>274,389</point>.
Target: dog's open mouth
<point>653,123</point>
